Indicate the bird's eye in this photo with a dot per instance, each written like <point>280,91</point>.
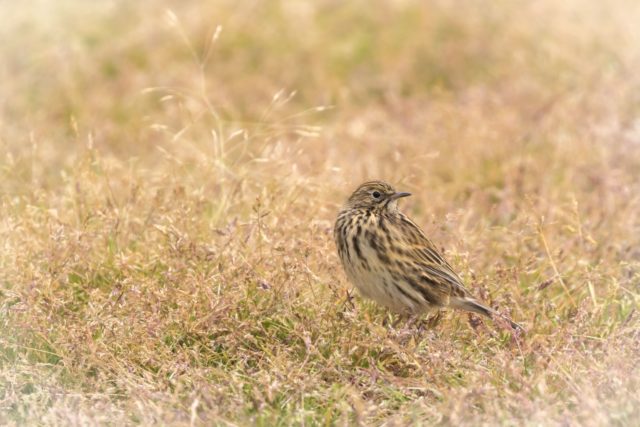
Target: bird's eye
<point>376,194</point>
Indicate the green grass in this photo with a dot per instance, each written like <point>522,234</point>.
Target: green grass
<point>167,196</point>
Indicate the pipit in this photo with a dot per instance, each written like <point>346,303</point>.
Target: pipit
<point>391,261</point>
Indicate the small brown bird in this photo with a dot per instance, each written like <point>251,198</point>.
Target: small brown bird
<point>391,261</point>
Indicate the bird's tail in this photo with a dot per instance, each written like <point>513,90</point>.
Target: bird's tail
<point>469,304</point>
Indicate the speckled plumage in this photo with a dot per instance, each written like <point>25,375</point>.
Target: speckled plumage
<point>391,261</point>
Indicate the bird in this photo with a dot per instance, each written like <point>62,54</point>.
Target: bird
<point>391,261</point>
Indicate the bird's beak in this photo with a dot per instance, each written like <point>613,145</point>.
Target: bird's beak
<point>395,196</point>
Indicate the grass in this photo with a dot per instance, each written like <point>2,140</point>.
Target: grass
<point>170,173</point>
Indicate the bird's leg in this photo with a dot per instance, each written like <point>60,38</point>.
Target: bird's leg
<point>349,300</point>
<point>411,321</point>
<point>434,319</point>
<point>346,308</point>
<point>399,325</point>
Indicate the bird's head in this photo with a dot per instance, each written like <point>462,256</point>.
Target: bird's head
<point>375,195</point>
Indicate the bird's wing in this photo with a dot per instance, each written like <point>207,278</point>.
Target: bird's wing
<point>433,268</point>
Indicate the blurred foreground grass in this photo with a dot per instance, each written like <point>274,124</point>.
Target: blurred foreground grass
<point>170,172</point>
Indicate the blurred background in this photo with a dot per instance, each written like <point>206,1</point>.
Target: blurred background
<point>170,172</point>
<point>441,75</point>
